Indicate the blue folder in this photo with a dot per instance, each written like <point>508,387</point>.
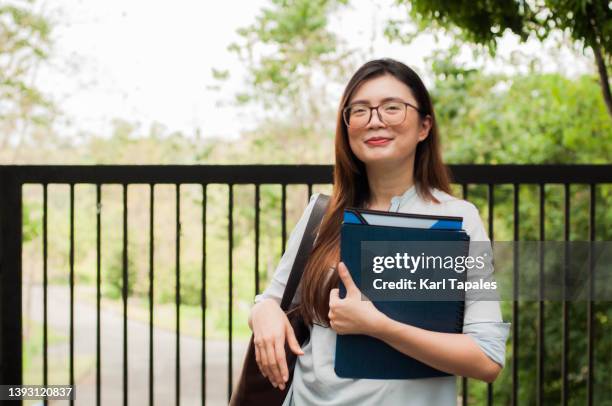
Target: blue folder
<point>362,356</point>
<point>408,220</point>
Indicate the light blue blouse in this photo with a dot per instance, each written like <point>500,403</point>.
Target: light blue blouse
<point>315,381</point>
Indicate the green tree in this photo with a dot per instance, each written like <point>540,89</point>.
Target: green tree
<point>25,42</point>
<point>290,55</point>
<point>589,22</point>
<point>534,118</point>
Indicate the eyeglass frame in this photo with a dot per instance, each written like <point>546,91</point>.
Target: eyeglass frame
<point>421,112</point>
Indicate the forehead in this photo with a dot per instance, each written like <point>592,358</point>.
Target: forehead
<point>382,87</point>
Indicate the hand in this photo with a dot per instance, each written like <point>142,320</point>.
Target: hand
<point>271,328</point>
<point>353,314</point>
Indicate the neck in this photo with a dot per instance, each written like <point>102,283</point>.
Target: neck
<point>386,181</point>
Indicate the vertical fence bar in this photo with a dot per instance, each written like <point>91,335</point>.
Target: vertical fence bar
<point>124,293</point>
<point>177,399</point>
<point>230,231</point>
<point>540,348</point>
<point>284,216</point>
<point>98,293</point>
<point>257,198</point>
<point>11,345</point>
<point>309,193</point>
<point>590,324</point>
<point>45,298</point>
<point>71,287</point>
<point>151,290</point>
<point>203,302</point>
<point>565,343</point>
<point>515,307</point>
<point>491,203</point>
<point>464,380</point>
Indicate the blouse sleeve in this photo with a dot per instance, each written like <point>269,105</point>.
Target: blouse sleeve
<point>482,319</point>
<point>276,287</point>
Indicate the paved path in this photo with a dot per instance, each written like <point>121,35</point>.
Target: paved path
<point>138,356</point>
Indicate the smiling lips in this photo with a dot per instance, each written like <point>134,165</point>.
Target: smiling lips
<point>376,141</point>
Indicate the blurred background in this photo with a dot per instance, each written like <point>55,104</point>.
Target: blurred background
<point>197,82</point>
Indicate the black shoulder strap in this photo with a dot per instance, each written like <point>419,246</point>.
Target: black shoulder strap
<point>304,250</point>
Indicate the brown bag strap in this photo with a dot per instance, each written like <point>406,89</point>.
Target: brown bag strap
<point>304,250</point>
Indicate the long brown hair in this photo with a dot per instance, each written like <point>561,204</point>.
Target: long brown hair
<point>351,187</point>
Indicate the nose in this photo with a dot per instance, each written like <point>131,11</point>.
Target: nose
<point>375,120</point>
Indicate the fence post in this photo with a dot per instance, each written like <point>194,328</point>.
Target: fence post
<point>10,278</point>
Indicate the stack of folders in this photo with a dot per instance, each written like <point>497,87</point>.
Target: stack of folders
<point>362,356</point>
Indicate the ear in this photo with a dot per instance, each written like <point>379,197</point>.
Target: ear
<point>425,125</point>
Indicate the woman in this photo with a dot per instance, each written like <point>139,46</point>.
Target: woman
<point>387,158</point>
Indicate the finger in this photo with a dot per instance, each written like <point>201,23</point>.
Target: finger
<point>263,357</point>
<point>258,360</point>
<point>334,295</point>
<point>346,278</point>
<point>292,341</point>
<point>336,327</point>
<point>281,361</point>
<point>273,369</point>
<point>271,362</point>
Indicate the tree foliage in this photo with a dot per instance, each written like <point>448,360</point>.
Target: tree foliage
<point>533,118</point>
<point>290,53</point>
<point>588,22</point>
<point>25,42</point>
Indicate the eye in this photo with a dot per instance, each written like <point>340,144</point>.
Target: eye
<point>393,108</point>
<point>359,110</point>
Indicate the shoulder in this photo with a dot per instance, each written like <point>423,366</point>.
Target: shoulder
<point>454,205</point>
<point>450,205</point>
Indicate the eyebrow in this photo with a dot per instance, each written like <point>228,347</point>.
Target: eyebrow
<point>386,99</point>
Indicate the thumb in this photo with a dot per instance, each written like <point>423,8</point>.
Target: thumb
<point>334,295</point>
<point>346,278</point>
<point>292,342</point>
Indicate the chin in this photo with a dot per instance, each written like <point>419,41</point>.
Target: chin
<point>377,158</point>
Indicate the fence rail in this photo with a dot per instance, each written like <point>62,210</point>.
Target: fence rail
<point>13,178</point>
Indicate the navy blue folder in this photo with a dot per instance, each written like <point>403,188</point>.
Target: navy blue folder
<point>362,356</point>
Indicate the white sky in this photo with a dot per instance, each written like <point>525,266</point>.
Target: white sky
<point>151,61</point>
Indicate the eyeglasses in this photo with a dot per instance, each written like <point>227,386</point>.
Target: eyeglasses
<point>390,113</point>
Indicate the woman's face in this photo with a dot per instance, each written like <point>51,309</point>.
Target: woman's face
<point>378,143</point>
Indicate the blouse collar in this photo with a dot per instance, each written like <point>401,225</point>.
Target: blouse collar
<point>399,201</point>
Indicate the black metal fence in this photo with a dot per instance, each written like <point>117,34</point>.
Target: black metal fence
<point>13,178</point>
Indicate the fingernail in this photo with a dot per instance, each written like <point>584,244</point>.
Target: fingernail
<point>282,387</point>
<point>285,378</point>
